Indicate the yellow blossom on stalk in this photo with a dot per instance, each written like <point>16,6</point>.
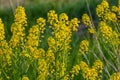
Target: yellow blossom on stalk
<point>41,22</point>
<point>42,69</point>
<point>3,43</point>
<point>25,54</point>
<point>98,66</point>
<point>20,16</point>
<point>63,18</point>
<point>18,27</point>
<point>105,4</point>
<point>33,37</point>
<point>74,24</point>
<point>118,3</point>
<point>25,78</point>
<point>84,46</point>
<point>86,20</point>
<point>1,53</point>
<point>75,70</point>
<point>5,50</point>
<point>60,40</point>
<point>2,32</point>
<point>92,31</point>
<point>63,69</point>
<point>115,76</point>
<point>83,65</point>
<point>117,10</point>
<point>51,43</point>
<point>66,77</point>
<point>18,35</point>
<point>118,13</point>
<point>38,53</point>
<point>102,9</point>
<point>52,17</point>
<point>108,34</point>
<point>50,58</point>
<point>89,74</point>
<point>110,16</point>
<point>114,9</point>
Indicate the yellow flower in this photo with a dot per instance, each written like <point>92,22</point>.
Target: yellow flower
<point>92,31</point>
<point>114,8</point>
<point>42,69</point>
<point>63,18</point>
<point>2,33</point>
<point>41,22</point>
<point>33,36</point>
<point>98,66</point>
<point>84,46</point>
<point>86,20</point>
<point>20,16</point>
<point>25,78</point>
<point>102,9</point>
<point>75,70</point>
<point>74,24</point>
<point>110,16</point>
<point>50,58</point>
<point>52,17</point>
<point>108,34</point>
<point>90,74</point>
<point>115,76</point>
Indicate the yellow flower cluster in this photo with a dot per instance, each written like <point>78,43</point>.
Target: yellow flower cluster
<point>84,46</point>
<point>86,20</point>
<point>20,16</point>
<point>42,70</point>
<point>102,9</point>
<point>2,33</point>
<point>105,14</point>
<point>115,76</point>
<point>35,32</point>
<point>98,66</point>
<point>51,43</point>
<point>108,34</point>
<point>33,37</point>
<point>110,16</point>
<point>91,31</point>
<point>25,78</point>
<point>88,73</point>
<point>63,18</point>
<point>59,41</point>
<point>18,35</point>
<point>116,9</point>
<point>61,30</point>
<point>52,17</point>
<point>5,52</point>
<point>18,27</point>
<point>41,23</point>
<point>50,58</point>
<point>74,24</point>
<point>75,71</point>
<point>38,53</point>
<point>33,40</point>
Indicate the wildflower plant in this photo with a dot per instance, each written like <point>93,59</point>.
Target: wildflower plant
<point>24,57</point>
